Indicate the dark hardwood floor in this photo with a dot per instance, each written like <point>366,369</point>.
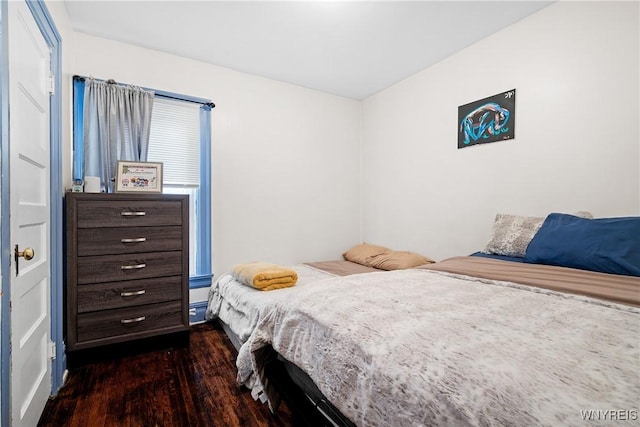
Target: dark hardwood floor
<point>180,385</point>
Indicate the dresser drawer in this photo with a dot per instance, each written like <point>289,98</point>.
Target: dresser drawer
<point>128,213</point>
<point>104,296</point>
<point>104,241</point>
<point>111,268</point>
<point>133,320</point>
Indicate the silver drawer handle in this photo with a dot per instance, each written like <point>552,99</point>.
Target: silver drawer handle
<point>132,294</point>
<point>136,240</point>
<point>138,213</point>
<point>135,320</point>
<point>133,267</point>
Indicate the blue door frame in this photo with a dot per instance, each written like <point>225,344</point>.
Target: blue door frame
<point>53,40</point>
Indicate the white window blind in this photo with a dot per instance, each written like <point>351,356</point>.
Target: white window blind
<point>174,140</point>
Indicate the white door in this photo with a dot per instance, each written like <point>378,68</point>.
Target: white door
<point>29,58</point>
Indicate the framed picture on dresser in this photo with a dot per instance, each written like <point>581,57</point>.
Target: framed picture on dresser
<point>138,177</point>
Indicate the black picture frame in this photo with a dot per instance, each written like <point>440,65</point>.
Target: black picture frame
<point>487,120</point>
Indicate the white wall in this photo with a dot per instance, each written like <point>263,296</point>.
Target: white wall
<point>285,159</point>
<point>286,178</point>
<point>575,68</point>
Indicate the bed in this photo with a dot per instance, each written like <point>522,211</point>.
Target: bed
<point>238,308</point>
<point>465,341</point>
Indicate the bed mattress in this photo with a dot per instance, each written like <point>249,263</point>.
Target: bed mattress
<point>239,307</point>
<point>444,348</point>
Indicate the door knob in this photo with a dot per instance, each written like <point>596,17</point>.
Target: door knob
<point>27,254</point>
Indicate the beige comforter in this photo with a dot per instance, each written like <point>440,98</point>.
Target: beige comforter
<point>612,287</point>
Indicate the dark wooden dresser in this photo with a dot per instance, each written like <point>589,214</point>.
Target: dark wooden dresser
<point>127,267</point>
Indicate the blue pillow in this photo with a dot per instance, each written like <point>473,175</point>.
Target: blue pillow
<point>607,245</point>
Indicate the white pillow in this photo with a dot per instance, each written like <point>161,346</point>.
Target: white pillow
<point>511,234</point>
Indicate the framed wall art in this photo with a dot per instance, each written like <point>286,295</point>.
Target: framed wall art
<point>134,177</point>
<point>487,120</point>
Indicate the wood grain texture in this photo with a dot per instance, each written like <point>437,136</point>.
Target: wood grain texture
<point>153,260</point>
<point>113,268</point>
<point>130,210</point>
<point>189,385</point>
<point>127,240</point>
<point>107,296</point>
<point>129,321</point>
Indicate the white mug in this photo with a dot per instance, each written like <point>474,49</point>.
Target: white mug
<point>92,184</point>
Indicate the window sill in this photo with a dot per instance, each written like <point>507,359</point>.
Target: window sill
<point>200,281</point>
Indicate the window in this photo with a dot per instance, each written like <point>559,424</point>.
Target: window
<point>180,138</point>
<point>174,140</point>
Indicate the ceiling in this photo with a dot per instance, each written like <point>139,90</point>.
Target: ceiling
<point>351,49</point>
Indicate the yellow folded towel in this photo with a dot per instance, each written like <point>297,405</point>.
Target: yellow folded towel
<point>264,276</point>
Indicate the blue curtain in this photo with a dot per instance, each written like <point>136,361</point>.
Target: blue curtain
<point>117,120</point>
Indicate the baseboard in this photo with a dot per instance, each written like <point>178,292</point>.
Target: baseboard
<point>197,311</point>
